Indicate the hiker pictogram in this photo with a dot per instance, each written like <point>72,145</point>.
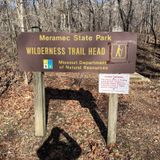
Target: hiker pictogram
<point>118,52</point>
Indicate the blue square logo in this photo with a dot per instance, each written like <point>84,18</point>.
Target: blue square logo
<point>47,63</point>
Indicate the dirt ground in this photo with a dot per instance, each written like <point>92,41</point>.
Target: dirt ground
<point>77,117</point>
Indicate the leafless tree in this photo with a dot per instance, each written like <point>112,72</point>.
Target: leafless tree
<point>141,16</point>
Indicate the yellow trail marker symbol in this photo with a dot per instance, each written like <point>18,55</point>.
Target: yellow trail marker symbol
<point>119,51</point>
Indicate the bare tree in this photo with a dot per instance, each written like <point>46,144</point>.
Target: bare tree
<point>20,13</point>
<point>126,16</point>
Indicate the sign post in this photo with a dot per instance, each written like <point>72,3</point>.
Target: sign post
<point>112,118</point>
<point>113,84</point>
<point>39,101</point>
<point>39,104</point>
<point>113,101</point>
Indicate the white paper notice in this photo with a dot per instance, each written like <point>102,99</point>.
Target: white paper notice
<point>114,83</point>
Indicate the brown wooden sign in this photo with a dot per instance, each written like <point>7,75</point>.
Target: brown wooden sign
<point>78,52</point>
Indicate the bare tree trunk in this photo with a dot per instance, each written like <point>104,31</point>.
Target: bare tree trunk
<point>36,9</point>
<point>63,22</point>
<point>80,26</point>
<point>109,27</point>
<point>116,22</point>
<point>68,16</point>
<point>92,17</point>
<point>11,28</point>
<point>150,24</point>
<point>141,25</point>
<point>20,12</point>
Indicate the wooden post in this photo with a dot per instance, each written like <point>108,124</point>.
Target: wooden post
<point>112,118</point>
<point>113,98</point>
<point>39,104</point>
<point>39,101</point>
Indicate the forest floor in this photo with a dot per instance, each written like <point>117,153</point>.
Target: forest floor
<point>77,118</point>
